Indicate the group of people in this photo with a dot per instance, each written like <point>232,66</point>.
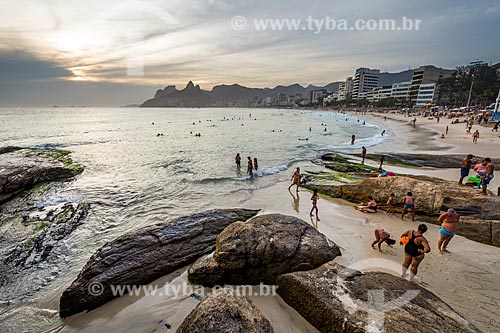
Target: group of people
<point>408,205</point>
<point>251,166</point>
<point>415,243</point>
<point>484,171</point>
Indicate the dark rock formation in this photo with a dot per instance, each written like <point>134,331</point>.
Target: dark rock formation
<point>57,224</point>
<point>336,299</point>
<point>191,96</point>
<point>425,160</point>
<point>225,312</point>
<point>261,249</point>
<point>22,169</point>
<point>340,163</point>
<point>146,254</point>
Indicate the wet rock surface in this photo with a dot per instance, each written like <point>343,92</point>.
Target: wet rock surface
<point>225,312</point>
<point>143,255</point>
<point>337,299</point>
<point>261,249</point>
<point>426,160</point>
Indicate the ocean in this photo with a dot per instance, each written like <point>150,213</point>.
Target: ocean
<point>144,166</point>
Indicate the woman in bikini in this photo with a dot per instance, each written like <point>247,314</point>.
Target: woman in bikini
<point>415,251</point>
<point>382,236</point>
<point>295,179</point>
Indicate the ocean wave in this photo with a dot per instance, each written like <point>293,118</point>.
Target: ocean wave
<point>367,142</point>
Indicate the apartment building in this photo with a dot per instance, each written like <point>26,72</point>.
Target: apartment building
<point>365,80</point>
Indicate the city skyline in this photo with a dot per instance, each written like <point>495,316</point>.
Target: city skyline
<point>72,53</point>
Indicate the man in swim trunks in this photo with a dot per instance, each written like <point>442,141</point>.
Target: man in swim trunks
<point>449,225</point>
<point>488,176</point>
<point>414,251</point>
<point>295,179</point>
<point>466,165</point>
<point>409,205</point>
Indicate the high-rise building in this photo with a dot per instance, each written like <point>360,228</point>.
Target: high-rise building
<point>365,80</point>
<point>426,75</point>
<point>401,92</point>
<point>345,89</point>
<point>427,93</point>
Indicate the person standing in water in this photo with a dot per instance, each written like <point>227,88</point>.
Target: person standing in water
<point>249,166</point>
<point>353,138</point>
<point>383,132</point>
<point>449,226</point>
<point>238,160</point>
<point>415,251</point>
<point>409,204</point>
<point>295,179</point>
<point>255,164</point>
<point>363,154</point>
<point>314,198</point>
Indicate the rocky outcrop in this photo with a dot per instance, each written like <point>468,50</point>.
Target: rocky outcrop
<point>52,225</point>
<point>22,169</point>
<point>426,160</point>
<point>191,96</point>
<point>261,249</point>
<point>340,163</point>
<point>225,312</point>
<point>146,254</point>
<point>337,299</point>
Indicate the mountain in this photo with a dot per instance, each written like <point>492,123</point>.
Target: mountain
<point>191,96</point>
<point>387,79</point>
<point>225,95</point>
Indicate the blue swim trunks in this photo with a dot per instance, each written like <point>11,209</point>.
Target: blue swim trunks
<point>464,172</point>
<point>410,206</point>
<point>486,181</point>
<point>443,231</point>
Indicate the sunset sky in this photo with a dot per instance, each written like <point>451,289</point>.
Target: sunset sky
<point>77,52</point>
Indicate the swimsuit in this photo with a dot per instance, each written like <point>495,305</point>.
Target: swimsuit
<point>411,248</point>
<point>410,206</point>
<point>464,172</point>
<point>445,232</point>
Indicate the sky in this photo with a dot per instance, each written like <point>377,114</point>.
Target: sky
<point>111,53</point>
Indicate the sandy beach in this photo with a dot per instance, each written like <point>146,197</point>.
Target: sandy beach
<point>467,278</point>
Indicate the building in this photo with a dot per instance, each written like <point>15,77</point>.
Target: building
<point>427,93</point>
<point>365,80</point>
<point>379,93</point>
<point>345,89</point>
<point>317,96</point>
<point>426,75</point>
<point>330,98</point>
<point>401,92</point>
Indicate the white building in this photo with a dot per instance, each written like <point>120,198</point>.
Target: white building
<point>345,89</point>
<point>426,94</point>
<point>365,80</point>
<point>401,90</point>
<point>317,96</point>
<point>379,93</point>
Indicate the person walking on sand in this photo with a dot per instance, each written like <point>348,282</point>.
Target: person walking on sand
<point>488,175</point>
<point>449,226</point>
<point>409,205</point>
<point>475,136</point>
<point>446,130</point>
<point>295,179</point>
<point>249,166</point>
<point>390,203</point>
<point>353,138</point>
<point>382,236</point>
<point>238,160</point>
<point>466,165</point>
<point>314,198</point>
<point>415,251</point>
<point>414,121</point>
<point>382,160</point>
<point>363,154</point>
<point>255,164</point>
<point>495,128</point>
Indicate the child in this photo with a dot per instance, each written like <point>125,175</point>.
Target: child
<point>390,203</point>
<point>409,204</point>
<point>315,198</point>
<point>255,164</point>
<point>382,236</point>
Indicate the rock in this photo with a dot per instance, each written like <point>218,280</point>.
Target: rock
<point>482,231</point>
<point>55,224</point>
<point>339,163</point>
<point>22,169</point>
<point>225,312</point>
<point>425,160</point>
<point>146,254</point>
<point>261,249</point>
<point>336,299</point>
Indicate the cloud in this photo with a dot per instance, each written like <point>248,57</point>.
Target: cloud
<point>18,66</point>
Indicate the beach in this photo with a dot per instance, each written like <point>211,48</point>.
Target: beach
<point>467,278</point>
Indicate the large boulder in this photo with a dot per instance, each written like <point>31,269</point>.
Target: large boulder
<point>337,299</point>
<point>143,255</point>
<point>223,311</point>
<point>261,249</point>
<point>22,169</point>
